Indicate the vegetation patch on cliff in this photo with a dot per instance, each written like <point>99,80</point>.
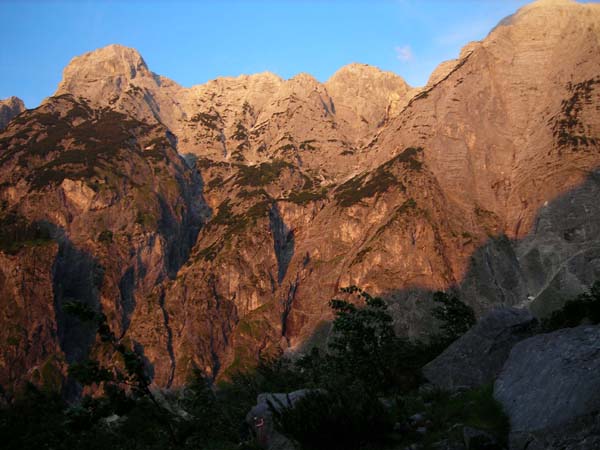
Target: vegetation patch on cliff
<point>379,181</point>
<point>306,196</point>
<point>99,143</point>
<point>16,232</point>
<point>207,119</point>
<point>364,186</point>
<point>262,174</point>
<point>568,128</point>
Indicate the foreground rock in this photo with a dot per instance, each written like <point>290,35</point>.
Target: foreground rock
<point>260,418</point>
<point>480,440</point>
<point>478,356</point>
<point>550,389</point>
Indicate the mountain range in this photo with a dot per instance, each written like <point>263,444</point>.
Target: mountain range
<point>212,224</point>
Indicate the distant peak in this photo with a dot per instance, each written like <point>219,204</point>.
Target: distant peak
<point>113,51</point>
<point>266,75</point>
<point>546,14</point>
<point>549,4</point>
<point>10,108</point>
<point>13,101</point>
<point>116,50</point>
<point>112,60</point>
<point>357,70</point>
<point>304,78</point>
<point>255,76</point>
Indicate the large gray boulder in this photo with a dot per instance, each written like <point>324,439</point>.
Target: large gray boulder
<point>260,418</point>
<point>550,389</point>
<point>477,357</point>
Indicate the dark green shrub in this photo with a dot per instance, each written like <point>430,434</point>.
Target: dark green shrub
<point>363,350</point>
<point>584,307</point>
<point>306,196</point>
<point>33,420</point>
<point>262,174</point>
<point>146,219</point>
<point>16,232</point>
<point>240,133</point>
<point>105,237</point>
<point>329,421</point>
<point>358,188</point>
<point>410,157</point>
<point>210,121</point>
<point>456,317</point>
<point>475,408</point>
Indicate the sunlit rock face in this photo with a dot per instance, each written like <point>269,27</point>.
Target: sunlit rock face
<point>10,108</point>
<point>212,224</point>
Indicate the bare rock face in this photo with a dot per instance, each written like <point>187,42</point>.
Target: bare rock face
<point>117,77</point>
<point>365,98</point>
<point>500,145</point>
<point>30,349</point>
<point>10,108</point>
<point>122,209</point>
<point>477,357</point>
<point>258,118</point>
<point>550,389</point>
<point>248,119</point>
<point>212,224</point>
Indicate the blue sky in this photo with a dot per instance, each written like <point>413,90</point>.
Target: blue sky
<point>192,42</point>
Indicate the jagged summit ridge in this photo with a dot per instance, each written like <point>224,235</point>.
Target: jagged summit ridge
<point>249,118</point>
<point>111,61</point>
<point>9,108</point>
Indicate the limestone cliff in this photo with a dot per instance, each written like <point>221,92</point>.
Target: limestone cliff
<point>212,224</point>
<point>248,119</point>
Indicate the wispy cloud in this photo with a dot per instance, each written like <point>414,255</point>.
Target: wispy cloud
<point>404,53</point>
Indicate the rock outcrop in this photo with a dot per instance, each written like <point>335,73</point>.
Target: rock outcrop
<point>261,422</point>
<point>247,119</point>
<point>123,210</point>
<point>477,357</point>
<point>550,389</point>
<point>10,108</point>
<point>365,98</point>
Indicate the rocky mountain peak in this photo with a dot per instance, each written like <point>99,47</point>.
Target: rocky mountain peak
<point>118,77</point>
<point>206,118</point>
<point>105,74</point>
<point>539,3</point>
<point>111,61</point>
<point>536,19</point>
<point>365,96</point>
<point>531,28</point>
<point>355,71</point>
<point>241,80</point>
<point>9,108</point>
<point>304,79</point>
<point>13,101</point>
